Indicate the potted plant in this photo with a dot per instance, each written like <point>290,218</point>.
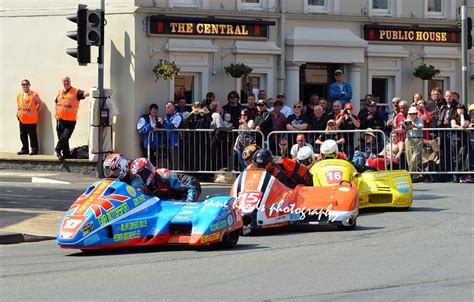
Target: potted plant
<point>425,72</point>
<point>166,70</point>
<point>238,70</point>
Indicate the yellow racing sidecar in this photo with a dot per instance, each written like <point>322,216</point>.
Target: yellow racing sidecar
<point>376,189</point>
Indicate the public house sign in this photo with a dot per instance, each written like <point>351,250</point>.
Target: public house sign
<point>168,25</point>
<point>375,32</point>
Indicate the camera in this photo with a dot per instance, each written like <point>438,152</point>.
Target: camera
<point>201,110</point>
<point>407,123</point>
<point>347,111</point>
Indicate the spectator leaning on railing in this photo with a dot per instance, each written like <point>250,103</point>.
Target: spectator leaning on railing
<point>413,142</point>
<point>233,107</point>
<point>146,124</point>
<point>460,141</point>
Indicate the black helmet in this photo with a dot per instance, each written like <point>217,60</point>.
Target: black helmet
<point>262,157</point>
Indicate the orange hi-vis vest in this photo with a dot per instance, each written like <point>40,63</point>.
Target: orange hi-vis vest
<point>28,108</point>
<point>67,105</point>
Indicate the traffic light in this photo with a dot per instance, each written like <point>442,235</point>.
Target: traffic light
<point>469,34</point>
<point>83,50</point>
<point>95,28</point>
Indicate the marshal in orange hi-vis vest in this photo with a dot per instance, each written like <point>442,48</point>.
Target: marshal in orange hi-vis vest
<point>67,105</point>
<point>28,108</point>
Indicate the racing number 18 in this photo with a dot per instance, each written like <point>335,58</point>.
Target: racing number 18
<point>333,177</point>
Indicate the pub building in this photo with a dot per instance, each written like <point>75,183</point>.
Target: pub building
<point>293,47</point>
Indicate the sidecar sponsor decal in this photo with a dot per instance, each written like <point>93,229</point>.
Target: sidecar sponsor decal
<point>87,228</point>
<point>127,235</point>
<point>210,237</point>
<point>133,225</point>
<point>220,225</point>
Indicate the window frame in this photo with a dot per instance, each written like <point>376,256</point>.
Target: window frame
<point>249,6</point>
<point>436,15</point>
<point>317,8</point>
<point>381,12</point>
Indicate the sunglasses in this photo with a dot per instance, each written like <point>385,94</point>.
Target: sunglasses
<point>283,145</point>
<point>25,84</point>
<point>243,115</point>
<point>297,106</point>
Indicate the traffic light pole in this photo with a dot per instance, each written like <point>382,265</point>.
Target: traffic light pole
<point>465,67</point>
<point>102,98</point>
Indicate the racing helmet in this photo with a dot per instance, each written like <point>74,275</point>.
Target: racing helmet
<point>249,152</point>
<point>262,157</point>
<point>115,166</point>
<point>329,149</point>
<point>143,168</point>
<point>305,155</point>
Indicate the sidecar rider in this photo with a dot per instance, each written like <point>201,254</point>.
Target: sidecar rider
<point>263,159</point>
<point>305,156</point>
<point>116,166</point>
<point>329,150</point>
<point>166,184</point>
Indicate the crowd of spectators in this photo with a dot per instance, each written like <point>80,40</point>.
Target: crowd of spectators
<point>404,126</point>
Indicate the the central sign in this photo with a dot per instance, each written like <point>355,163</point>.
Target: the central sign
<point>167,25</point>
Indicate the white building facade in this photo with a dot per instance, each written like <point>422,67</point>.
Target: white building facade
<point>293,47</point>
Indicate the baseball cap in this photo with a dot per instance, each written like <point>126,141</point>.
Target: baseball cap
<point>196,103</point>
<point>412,110</point>
<point>260,103</point>
<point>338,71</point>
<point>370,132</point>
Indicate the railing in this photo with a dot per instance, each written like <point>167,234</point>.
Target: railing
<point>201,150</point>
<point>439,151</point>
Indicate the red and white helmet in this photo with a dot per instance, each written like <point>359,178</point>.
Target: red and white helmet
<point>143,168</point>
<point>115,166</point>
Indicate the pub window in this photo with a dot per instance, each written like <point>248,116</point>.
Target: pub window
<point>435,8</point>
<point>380,7</point>
<point>317,6</point>
<point>436,82</point>
<point>254,84</point>
<point>184,88</point>
<point>184,3</point>
<point>250,4</point>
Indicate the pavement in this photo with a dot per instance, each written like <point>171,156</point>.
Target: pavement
<point>37,224</point>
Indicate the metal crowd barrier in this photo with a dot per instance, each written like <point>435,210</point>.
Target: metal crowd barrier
<point>437,151</point>
<point>352,142</point>
<point>199,150</point>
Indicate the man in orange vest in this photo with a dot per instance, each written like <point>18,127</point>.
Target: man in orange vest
<point>67,105</point>
<point>28,103</point>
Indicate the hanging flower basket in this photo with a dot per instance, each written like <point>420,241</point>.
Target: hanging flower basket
<point>425,72</point>
<point>238,70</point>
<point>166,70</point>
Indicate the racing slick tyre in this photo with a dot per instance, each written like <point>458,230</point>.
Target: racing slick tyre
<point>229,240</point>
